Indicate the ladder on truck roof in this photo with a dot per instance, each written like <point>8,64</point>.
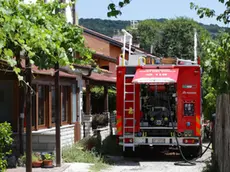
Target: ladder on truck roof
<point>131,117</point>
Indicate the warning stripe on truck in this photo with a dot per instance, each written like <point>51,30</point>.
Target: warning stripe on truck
<point>198,125</point>
<point>119,125</point>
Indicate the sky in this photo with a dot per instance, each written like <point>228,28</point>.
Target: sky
<point>149,9</point>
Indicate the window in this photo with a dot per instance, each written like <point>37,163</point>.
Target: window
<point>53,103</point>
<point>33,107</point>
<point>41,104</point>
<point>65,104</point>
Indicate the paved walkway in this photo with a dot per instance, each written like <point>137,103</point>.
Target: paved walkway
<point>68,167</point>
<point>55,169</point>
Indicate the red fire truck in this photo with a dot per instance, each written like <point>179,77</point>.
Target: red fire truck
<point>155,101</point>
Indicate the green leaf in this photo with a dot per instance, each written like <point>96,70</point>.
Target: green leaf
<point>126,1</point>
<point>8,52</point>
<point>20,78</point>
<point>111,6</point>
<point>17,70</point>
<point>121,4</point>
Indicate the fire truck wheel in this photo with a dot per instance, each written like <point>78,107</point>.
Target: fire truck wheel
<point>191,152</point>
<point>128,152</point>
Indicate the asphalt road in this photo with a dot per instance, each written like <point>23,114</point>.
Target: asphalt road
<point>157,163</point>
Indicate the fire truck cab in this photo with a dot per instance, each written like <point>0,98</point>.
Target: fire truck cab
<point>156,101</point>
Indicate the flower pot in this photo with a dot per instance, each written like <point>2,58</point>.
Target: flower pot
<point>48,163</point>
<point>36,164</point>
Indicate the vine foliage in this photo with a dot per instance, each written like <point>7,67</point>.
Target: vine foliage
<point>40,31</point>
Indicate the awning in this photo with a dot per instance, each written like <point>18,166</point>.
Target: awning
<point>156,76</point>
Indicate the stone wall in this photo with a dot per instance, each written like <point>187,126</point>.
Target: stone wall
<point>87,129</point>
<point>104,132</point>
<point>44,140</point>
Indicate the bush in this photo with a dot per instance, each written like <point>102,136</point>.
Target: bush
<point>211,166</point>
<point>5,144</point>
<point>99,120</point>
<point>77,153</point>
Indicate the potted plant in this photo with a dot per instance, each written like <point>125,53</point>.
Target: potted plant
<point>36,160</point>
<point>48,160</point>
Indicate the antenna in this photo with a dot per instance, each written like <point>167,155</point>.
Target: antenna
<point>195,45</point>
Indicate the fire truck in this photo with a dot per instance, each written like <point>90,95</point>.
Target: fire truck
<point>158,105</point>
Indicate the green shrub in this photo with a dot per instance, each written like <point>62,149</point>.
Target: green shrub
<point>99,120</point>
<point>22,160</point>
<point>77,153</point>
<point>111,142</point>
<point>211,166</point>
<point>5,144</point>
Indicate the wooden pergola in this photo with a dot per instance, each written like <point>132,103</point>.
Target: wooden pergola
<point>99,79</point>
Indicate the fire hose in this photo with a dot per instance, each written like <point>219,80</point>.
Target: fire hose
<point>186,162</point>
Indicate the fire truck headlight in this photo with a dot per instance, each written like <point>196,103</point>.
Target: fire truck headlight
<point>152,119</point>
<point>166,119</point>
<point>188,124</point>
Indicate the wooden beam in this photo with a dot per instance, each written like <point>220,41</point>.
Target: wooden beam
<point>102,83</point>
<point>21,118</point>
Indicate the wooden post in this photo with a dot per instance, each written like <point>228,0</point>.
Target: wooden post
<point>21,119</point>
<point>106,109</point>
<point>21,115</point>
<point>28,117</point>
<point>57,117</point>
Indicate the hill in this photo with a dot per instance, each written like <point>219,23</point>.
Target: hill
<point>111,27</point>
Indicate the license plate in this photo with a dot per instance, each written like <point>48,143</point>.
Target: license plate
<point>158,140</point>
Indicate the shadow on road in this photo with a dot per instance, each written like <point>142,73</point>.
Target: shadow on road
<point>114,156</point>
<point>144,155</point>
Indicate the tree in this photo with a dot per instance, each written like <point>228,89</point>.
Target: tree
<point>203,11</point>
<point>174,37</point>
<point>146,33</point>
<point>115,10</point>
<point>177,38</point>
<point>216,65</point>
<point>40,33</point>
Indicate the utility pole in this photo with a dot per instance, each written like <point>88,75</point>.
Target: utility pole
<point>57,117</point>
<point>28,117</point>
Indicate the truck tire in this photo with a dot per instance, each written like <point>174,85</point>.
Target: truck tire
<point>196,153</point>
<point>128,153</point>
<point>191,152</point>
